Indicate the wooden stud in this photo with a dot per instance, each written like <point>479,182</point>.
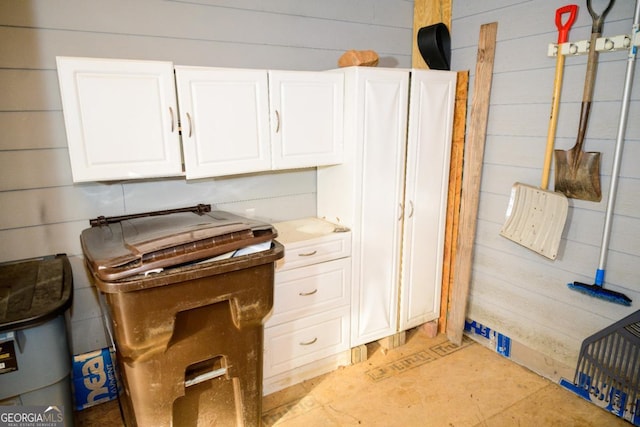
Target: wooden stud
<point>359,354</point>
<point>453,199</point>
<point>393,341</point>
<point>427,12</point>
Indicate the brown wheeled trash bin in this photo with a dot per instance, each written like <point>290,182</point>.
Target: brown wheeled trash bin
<point>188,333</point>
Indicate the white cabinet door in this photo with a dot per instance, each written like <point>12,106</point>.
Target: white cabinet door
<point>427,178</point>
<point>365,193</point>
<point>307,117</point>
<point>120,117</point>
<point>224,116</point>
<point>384,119</point>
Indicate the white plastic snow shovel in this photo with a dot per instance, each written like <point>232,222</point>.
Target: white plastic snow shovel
<point>535,216</point>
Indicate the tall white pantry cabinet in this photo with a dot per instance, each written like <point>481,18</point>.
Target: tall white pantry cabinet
<point>391,191</point>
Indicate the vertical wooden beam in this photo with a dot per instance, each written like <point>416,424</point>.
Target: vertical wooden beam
<point>453,199</point>
<point>471,177</point>
<point>427,12</point>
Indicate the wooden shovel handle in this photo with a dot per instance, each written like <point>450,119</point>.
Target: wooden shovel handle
<point>592,69</point>
<point>563,36</point>
<point>590,78</point>
<point>587,96</point>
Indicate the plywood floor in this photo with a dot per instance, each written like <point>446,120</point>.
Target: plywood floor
<point>426,382</point>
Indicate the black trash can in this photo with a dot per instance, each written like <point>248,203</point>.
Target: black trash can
<point>187,294</point>
<point>35,360</point>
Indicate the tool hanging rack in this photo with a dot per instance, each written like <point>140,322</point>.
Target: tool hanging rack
<point>603,44</point>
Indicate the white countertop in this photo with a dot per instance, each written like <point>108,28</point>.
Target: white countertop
<point>305,229</point>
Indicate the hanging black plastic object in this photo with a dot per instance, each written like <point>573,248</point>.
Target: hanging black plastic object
<point>434,44</point>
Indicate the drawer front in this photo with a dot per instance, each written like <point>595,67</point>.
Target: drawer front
<point>310,290</point>
<point>294,344</point>
<point>313,251</point>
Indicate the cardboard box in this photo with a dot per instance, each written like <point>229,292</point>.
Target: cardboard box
<point>94,378</point>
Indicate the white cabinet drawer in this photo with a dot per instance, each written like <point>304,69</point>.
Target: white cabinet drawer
<point>296,343</point>
<point>311,289</point>
<point>310,241</point>
<point>308,252</point>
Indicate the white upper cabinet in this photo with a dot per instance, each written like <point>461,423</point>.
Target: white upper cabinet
<point>224,116</point>
<point>120,117</point>
<point>124,120</point>
<point>306,118</point>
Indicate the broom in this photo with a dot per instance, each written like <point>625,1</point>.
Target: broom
<point>597,289</point>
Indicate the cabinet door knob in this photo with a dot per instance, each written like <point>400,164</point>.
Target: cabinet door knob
<point>401,211</point>
<point>173,123</point>
<point>306,294</point>
<point>277,121</point>
<point>309,342</point>
<point>410,208</point>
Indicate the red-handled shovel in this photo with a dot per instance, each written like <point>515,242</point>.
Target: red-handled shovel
<point>536,216</point>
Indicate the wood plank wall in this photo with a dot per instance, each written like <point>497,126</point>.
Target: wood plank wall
<point>43,212</point>
<point>514,290</point>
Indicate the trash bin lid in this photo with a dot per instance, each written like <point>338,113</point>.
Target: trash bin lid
<point>140,244</point>
<point>33,291</point>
